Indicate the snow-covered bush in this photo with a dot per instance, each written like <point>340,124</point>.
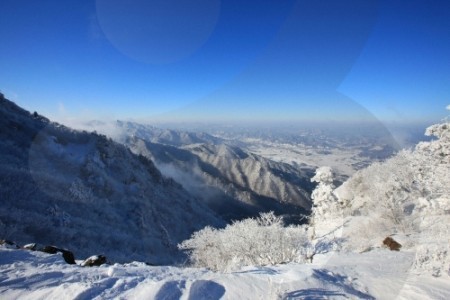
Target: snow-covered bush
<point>433,259</point>
<point>255,242</point>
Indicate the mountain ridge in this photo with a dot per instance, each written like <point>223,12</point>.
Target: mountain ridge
<point>216,171</point>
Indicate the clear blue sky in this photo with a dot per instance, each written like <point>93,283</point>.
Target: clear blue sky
<point>214,60</point>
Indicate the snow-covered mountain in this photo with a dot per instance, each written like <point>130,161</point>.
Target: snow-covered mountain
<point>87,193</point>
<point>232,181</point>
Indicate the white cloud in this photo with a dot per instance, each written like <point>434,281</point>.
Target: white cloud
<point>62,109</point>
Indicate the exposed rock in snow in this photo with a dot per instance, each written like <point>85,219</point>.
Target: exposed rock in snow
<point>392,244</point>
<point>95,260</point>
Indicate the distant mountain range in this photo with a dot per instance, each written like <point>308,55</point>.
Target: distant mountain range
<point>231,181</point>
<point>164,136</point>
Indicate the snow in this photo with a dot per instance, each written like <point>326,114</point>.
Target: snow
<point>378,274</point>
<point>343,161</point>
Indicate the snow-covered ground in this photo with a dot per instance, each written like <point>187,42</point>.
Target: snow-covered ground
<point>343,161</point>
<point>378,274</point>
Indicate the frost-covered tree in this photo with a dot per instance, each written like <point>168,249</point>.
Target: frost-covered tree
<point>326,213</point>
<point>80,192</point>
<point>256,242</point>
<point>324,200</point>
<point>431,162</point>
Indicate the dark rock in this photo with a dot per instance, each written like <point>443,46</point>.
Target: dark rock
<point>49,249</point>
<point>392,244</point>
<point>9,244</point>
<point>95,260</point>
<point>68,256</point>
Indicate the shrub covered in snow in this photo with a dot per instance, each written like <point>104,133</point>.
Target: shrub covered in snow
<point>260,241</point>
<point>433,259</point>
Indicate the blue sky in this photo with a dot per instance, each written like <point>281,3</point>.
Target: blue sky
<point>211,60</point>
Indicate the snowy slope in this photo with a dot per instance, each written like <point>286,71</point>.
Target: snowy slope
<point>379,274</point>
<point>406,198</point>
<point>84,192</point>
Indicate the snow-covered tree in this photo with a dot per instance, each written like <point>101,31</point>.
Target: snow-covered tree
<point>256,242</point>
<point>324,200</point>
<point>326,212</point>
<point>80,192</point>
<point>431,162</point>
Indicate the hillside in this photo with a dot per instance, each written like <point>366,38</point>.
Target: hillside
<point>406,198</point>
<point>89,194</point>
<point>230,180</point>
